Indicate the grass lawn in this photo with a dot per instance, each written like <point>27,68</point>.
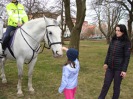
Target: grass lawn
<point>48,71</point>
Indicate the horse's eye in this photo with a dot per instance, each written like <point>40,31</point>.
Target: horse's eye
<point>50,33</point>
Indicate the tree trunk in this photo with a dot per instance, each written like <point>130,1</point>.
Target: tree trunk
<point>75,38</point>
<point>108,40</point>
<point>75,30</point>
<point>132,45</point>
<point>62,37</point>
<point>130,30</point>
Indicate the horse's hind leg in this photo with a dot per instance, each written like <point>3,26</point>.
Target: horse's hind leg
<point>31,67</point>
<point>3,76</point>
<point>20,74</point>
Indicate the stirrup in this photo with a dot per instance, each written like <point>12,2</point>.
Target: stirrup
<point>2,55</point>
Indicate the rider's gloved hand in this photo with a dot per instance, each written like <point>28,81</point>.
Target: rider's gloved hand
<point>19,24</point>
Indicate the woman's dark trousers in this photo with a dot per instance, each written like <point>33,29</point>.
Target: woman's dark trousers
<point>109,76</point>
<point>6,37</point>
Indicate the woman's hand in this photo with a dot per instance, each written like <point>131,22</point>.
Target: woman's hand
<point>105,66</point>
<point>123,74</point>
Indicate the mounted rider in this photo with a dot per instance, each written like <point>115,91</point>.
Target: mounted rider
<point>16,17</point>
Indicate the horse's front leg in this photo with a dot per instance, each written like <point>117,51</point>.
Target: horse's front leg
<point>31,67</point>
<point>20,74</point>
<point>3,76</point>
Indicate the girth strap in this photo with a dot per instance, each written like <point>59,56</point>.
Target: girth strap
<point>11,52</point>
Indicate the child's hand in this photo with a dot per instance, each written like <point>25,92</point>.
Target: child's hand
<point>59,90</point>
<point>64,48</point>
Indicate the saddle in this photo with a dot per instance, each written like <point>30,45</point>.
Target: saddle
<point>8,42</point>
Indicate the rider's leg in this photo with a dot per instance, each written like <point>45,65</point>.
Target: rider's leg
<point>6,36</point>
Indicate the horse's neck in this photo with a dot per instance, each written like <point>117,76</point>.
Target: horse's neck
<point>33,33</point>
<point>35,30</point>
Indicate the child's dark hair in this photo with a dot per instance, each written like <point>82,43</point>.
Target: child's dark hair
<point>72,63</point>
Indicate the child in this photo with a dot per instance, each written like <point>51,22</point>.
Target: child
<point>70,74</point>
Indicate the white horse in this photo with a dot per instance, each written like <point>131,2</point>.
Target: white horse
<point>26,44</point>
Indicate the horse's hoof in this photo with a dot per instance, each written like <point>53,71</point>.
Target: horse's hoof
<point>32,92</point>
<point>4,81</point>
<point>20,95</point>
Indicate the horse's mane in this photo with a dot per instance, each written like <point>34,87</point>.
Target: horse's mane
<point>41,22</point>
<point>49,21</point>
<point>34,21</point>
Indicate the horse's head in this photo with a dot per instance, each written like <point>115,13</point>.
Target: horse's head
<point>53,37</point>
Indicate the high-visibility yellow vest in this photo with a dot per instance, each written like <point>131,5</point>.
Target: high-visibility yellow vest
<point>16,14</point>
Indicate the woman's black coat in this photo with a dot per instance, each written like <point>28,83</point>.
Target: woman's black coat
<point>118,54</point>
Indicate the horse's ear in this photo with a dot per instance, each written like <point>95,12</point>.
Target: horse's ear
<point>59,19</point>
<point>45,18</point>
<point>56,22</point>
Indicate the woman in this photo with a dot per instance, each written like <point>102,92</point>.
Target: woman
<point>116,61</point>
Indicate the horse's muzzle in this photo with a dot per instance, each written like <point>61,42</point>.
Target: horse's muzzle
<point>57,54</point>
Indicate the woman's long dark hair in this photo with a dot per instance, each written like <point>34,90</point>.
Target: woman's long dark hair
<point>123,29</point>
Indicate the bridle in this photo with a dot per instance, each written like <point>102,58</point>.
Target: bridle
<point>49,42</point>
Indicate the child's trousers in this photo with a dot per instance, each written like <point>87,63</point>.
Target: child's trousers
<point>70,93</point>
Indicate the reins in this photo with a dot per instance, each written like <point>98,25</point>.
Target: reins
<point>34,50</point>
<point>37,48</point>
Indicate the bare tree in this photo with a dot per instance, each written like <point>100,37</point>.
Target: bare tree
<point>128,5</point>
<point>2,7</point>
<point>109,14</point>
<point>59,9</point>
<point>61,18</point>
<point>75,29</point>
<point>3,13</point>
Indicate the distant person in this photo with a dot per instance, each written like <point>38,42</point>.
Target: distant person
<point>1,27</point>
<point>16,17</point>
<point>116,62</point>
<point>30,16</point>
<point>70,74</point>
<point>1,33</point>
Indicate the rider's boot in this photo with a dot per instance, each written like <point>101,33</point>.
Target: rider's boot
<point>2,54</point>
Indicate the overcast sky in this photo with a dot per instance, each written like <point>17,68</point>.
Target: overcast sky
<point>89,11</point>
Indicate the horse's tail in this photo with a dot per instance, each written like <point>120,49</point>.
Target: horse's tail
<point>1,34</point>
